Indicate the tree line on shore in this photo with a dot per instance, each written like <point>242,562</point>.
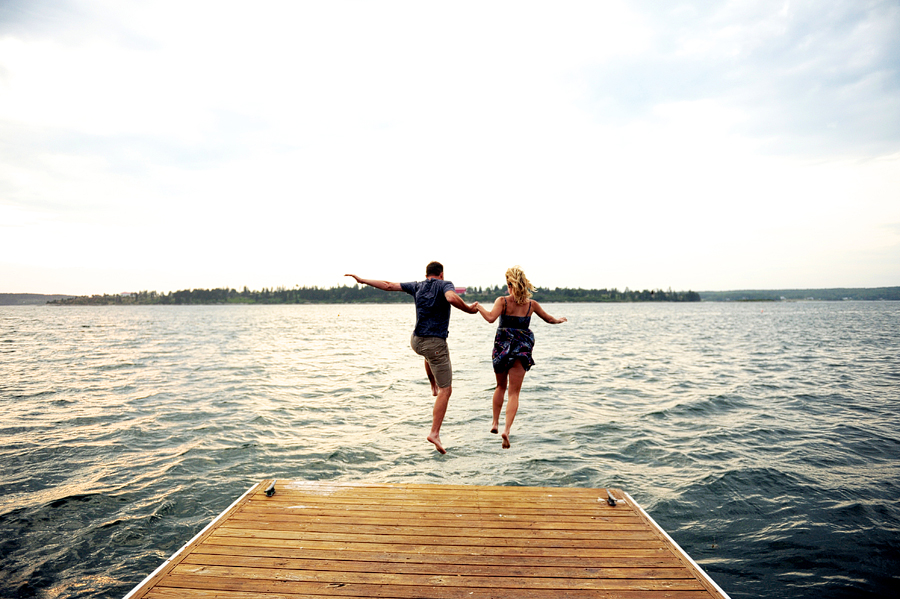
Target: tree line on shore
<point>827,295</point>
<point>363,294</point>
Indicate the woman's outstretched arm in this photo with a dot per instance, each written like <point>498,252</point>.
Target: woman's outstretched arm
<point>547,318</point>
<point>495,311</point>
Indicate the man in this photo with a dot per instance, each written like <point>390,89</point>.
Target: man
<point>434,296</point>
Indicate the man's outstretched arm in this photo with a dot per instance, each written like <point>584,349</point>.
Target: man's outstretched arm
<point>458,302</point>
<point>383,285</point>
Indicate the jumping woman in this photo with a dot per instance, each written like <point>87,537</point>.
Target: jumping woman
<point>513,344</point>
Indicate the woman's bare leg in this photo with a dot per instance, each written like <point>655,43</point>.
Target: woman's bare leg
<point>499,392</point>
<point>516,376</point>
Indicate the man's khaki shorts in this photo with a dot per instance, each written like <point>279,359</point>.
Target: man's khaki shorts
<point>437,354</point>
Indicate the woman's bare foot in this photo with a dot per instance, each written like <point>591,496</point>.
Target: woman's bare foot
<point>494,428</point>
<point>436,440</point>
<point>505,440</point>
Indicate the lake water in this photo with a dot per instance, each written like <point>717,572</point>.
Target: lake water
<point>765,438</point>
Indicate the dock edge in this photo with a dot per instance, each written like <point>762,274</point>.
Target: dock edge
<point>704,578</point>
<point>175,557</point>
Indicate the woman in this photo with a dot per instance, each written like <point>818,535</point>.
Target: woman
<point>513,343</point>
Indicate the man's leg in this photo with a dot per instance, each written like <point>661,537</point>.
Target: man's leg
<point>440,375</point>
<point>434,387</point>
<point>437,417</point>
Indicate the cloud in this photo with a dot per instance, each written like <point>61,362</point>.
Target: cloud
<point>810,80</point>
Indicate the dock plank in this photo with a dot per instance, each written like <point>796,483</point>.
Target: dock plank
<point>637,539</point>
<point>463,528</point>
<point>338,564</point>
<point>318,539</point>
<point>251,589</point>
<point>608,561</point>
<point>510,521</point>
<point>614,548</point>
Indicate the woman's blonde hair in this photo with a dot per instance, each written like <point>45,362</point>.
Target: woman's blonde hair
<point>519,284</point>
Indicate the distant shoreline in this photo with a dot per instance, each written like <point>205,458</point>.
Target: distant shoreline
<point>368,295</point>
<point>830,294</point>
<point>363,294</point>
<point>30,299</point>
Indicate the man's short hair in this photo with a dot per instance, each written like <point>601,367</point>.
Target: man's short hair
<point>434,269</point>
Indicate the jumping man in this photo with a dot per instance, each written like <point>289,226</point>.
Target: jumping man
<point>434,296</point>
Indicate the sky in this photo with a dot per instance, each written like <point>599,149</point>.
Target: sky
<point>650,145</point>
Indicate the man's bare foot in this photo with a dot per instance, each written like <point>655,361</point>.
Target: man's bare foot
<point>436,440</point>
<point>505,440</point>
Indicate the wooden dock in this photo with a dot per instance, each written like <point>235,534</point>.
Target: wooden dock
<point>324,539</point>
